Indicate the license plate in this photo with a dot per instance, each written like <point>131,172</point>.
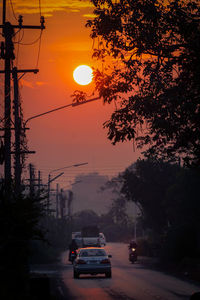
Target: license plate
<point>94,262</point>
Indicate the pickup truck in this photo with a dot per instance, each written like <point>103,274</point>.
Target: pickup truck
<point>90,236</point>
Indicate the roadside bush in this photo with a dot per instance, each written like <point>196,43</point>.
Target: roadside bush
<point>147,247</point>
<point>181,242</point>
<point>116,233</point>
<point>42,253</point>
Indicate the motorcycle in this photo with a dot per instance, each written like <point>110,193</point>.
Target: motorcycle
<point>72,256</point>
<point>132,255</point>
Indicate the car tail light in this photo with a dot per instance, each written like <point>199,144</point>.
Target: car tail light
<point>105,261</point>
<point>81,262</point>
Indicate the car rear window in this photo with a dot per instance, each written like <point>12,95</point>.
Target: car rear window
<point>92,252</point>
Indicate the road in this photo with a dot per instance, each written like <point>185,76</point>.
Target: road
<point>128,282</point>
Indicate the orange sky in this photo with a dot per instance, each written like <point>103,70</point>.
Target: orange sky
<point>72,135</point>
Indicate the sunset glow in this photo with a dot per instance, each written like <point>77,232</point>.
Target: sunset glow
<point>83,75</point>
<point>65,44</point>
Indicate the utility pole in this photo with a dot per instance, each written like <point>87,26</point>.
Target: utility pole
<point>48,193</point>
<point>57,200</point>
<point>62,203</point>
<point>69,203</point>
<point>17,122</point>
<point>39,183</point>
<point>49,189</point>
<point>31,180</point>
<point>17,128</point>
<point>7,53</point>
<point>7,50</point>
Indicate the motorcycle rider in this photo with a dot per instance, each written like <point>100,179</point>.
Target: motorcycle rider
<point>132,251</point>
<point>72,247</point>
<point>132,244</point>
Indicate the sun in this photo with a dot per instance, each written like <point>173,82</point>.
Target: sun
<point>83,75</point>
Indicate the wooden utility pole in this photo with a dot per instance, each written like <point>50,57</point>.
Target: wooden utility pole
<point>49,189</point>
<point>17,122</point>
<point>17,127</point>
<point>7,53</point>
<point>57,199</point>
<point>39,183</point>
<point>31,180</point>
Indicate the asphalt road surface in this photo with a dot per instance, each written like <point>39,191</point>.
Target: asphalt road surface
<point>128,282</point>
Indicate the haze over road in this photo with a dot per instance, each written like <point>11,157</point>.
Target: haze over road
<point>129,281</point>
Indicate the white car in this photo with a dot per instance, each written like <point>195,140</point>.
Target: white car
<point>92,260</point>
<point>102,239</point>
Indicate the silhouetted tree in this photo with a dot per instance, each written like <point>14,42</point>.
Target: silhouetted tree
<point>118,211</point>
<point>183,209</point>
<point>146,183</point>
<point>19,224</point>
<point>168,197</point>
<point>151,69</point>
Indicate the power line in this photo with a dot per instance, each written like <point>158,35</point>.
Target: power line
<point>11,5</point>
<point>40,8</point>
<point>31,43</point>
<point>39,48</point>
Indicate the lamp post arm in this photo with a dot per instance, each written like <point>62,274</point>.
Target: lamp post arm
<point>75,165</point>
<point>58,108</point>
<point>47,112</point>
<point>50,180</point>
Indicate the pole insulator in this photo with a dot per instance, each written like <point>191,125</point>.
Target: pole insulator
<point>20,20</point>
<point>42,21</point>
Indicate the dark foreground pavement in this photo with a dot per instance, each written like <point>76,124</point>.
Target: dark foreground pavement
<point>46,282</point>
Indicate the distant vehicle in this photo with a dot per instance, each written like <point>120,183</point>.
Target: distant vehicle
<point>132,251</point>
<point>76,234</point>
<point>72,256</point>
<point>78,238</point>
<point>90,236</point>
<point>102,239</point>
<point>92,260</point>
<point>132,255</point>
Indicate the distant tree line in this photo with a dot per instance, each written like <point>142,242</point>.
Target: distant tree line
<point>167,196</point>
<point>115,224</point>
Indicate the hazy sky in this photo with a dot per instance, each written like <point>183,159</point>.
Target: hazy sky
<point>72,135</point>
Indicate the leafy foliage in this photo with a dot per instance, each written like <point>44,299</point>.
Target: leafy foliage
<point>146,183</point>
<point>78,97</point>
<point>113,224</point>
<point>150,50</point>
<point>118,212</point>
<point>168,197</point>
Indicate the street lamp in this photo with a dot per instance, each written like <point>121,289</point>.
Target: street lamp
<point>79,100</point>
<point>60,174</point>
<point>75,165</point>
<point>59,108</point>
